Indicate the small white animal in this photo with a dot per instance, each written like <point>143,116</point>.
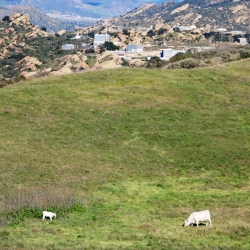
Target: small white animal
<point>196,217</point>
<point>48,214</point>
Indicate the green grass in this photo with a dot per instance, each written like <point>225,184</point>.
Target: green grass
<point>124,156</point>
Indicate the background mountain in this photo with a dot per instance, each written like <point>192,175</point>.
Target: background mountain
<point>62,14</point>
<point>82,8</point>
<point>40,19</point>
<point>232,15</point>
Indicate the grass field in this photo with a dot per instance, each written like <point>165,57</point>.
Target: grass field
<point>124,156</point>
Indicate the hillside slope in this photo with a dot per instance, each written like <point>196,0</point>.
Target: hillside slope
<point>124,156</point>
<point>232,15</point>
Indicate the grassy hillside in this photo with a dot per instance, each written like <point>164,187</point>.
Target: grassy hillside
<point>124,156</point>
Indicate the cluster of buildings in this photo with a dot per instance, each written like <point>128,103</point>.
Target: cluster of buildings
<point>165,54</point>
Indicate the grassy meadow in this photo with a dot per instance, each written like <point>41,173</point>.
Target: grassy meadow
<point>124,156</point>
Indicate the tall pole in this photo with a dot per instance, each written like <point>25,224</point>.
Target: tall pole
<point>106,36</point>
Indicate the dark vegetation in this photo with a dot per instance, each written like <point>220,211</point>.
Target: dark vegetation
<point>108,46</point>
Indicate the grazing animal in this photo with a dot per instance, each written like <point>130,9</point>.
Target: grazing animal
<point>196,217</point>
<point>48,214</point>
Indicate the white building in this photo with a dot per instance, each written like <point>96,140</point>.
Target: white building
<point>243,41</point>
<point>68,46</point>
<point>100,39</point>
<point>166,54</point>
<point>77,36</point>
<point>185,28</point>
<point>220,29</point>
<point>134,48</point>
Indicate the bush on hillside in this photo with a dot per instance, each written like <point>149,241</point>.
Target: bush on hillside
<point>156,62</point>
<point>179,56</point>
<point>225,57</point>
<point>161,31</point>
<point>4,82</point>
<point>175,65</point>
<point>90,50</point>
<point>125,32</point>
<point>190,63</point>
<point>6,19</point>
<point>19,78</point>
<point>244,53</point>
<point>91,34</point>
<point>108,46</point>
<point>106,58</point>
<point>151,33</point>
<point>124,63</point>
<point>205,54</point>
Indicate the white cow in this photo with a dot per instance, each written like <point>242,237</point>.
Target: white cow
<point>196,217</point>
<point>48,214</point>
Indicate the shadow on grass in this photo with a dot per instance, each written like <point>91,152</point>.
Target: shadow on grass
<point>195,225</point>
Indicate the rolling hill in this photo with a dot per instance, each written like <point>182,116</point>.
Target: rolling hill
<point>124,156</point>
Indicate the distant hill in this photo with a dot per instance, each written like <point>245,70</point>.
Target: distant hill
<point>61,14</point>
<point>38,18</point>
<point>89,8</point>
<point>232,15</point>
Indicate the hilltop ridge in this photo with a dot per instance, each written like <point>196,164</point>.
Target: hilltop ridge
<point>232,15</point>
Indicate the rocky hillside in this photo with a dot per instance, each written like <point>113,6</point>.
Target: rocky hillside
<point>232,15</point>
<point>156,23</point>
<point>27,51</point>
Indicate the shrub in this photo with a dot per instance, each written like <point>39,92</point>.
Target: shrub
<point>151,33</point>
<point>125,32</point>
<point>225,57</point>
<point>19,78</point>
<point>161,31</point>
<point>206,54</point>
<point>175,65</point>
<point>91,34</point>
<point>109,46</point>
<point>4,82</point>
<point>179,56</point>
<point>244,53</point>
<point>106,58</point>
<point>6,19</point>
<point>156,62</point>
<point>114,34</point>
<point>42,74</point>
<point>90,61</point>
<point>90,50</point>
<point>189,63</point>
<point>124,63</point>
